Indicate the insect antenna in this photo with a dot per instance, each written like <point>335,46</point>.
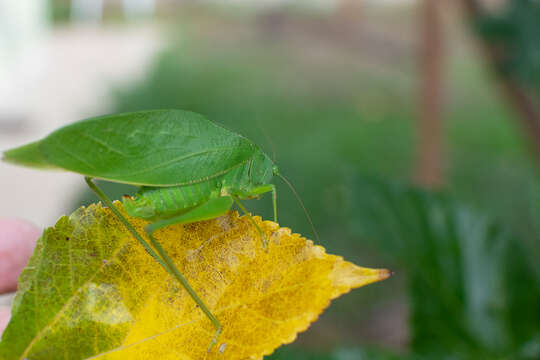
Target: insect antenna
<point>303,207</point>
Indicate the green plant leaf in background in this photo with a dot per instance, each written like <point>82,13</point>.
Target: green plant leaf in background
<point>295,353</point>
<point>473,294</point>
<point>515,31</point>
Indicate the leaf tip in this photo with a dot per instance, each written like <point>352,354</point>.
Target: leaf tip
<point>348,276</point>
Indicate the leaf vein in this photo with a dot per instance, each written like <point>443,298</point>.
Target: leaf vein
<point>66,305</point>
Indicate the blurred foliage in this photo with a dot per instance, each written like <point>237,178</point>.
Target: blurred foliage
<point>290,353</point>
<point>60,11</point>
<point>515,32</point>
<point>473,294</point>
<point>293,353</point>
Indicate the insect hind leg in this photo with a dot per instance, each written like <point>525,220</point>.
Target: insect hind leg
<point>163,258</point>
<point>205,211</point>
<point>126,223</point>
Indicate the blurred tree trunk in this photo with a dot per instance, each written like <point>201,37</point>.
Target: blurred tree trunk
<point>519,97</point>
<point>430,162</point>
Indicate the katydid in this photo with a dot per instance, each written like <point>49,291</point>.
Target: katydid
<point>187,167</point>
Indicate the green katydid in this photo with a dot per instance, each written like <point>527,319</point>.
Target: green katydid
<point>188,169</point>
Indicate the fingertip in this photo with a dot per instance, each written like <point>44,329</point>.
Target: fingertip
<point>17,241</point>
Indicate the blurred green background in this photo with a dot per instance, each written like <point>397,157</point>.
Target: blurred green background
<point>336,94</point>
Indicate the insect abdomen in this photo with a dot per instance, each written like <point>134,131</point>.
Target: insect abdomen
<point>151,203</point>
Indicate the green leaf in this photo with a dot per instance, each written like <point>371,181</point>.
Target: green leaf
<point>473,294</point>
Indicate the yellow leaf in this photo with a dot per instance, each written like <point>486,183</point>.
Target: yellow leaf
<point>113,301</point>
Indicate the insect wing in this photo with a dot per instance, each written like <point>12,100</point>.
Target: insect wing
<point>153,148</point>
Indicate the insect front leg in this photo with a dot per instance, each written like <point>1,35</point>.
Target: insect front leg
<point>274,201</point>
<point>208,210</point>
